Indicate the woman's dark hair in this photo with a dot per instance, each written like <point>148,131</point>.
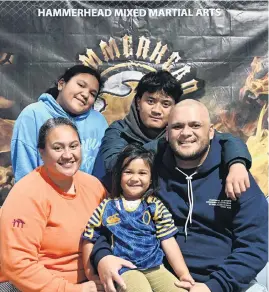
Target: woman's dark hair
<point>130,153</point>
<point>51,124</point>
<point>160,80</point>
<point>71,72</point>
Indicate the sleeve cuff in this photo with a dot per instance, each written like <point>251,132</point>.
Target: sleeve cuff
<point>88,239</point>
<point>237,160</point>
<point>214,286</point>
<point>99,255</point>
<point>173,233</point>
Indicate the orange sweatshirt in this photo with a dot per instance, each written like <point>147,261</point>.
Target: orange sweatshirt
<point>41,229</point>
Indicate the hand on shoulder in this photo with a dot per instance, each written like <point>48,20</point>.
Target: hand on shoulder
<point>237,181</point>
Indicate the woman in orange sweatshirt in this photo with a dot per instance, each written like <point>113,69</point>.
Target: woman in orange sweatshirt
<point>44,216</point>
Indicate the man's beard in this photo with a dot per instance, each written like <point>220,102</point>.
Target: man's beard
<point>192,156</point>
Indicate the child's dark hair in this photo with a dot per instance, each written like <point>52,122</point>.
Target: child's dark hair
<point>127,155</point>
<point>71,72</point>
<point>51,124</point>
<point>160,80</point>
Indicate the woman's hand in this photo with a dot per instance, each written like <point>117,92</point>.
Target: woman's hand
<point>93,286</point>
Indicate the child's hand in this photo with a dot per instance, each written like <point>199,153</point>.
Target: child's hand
<point>187,278</point>
<point>186,281</point>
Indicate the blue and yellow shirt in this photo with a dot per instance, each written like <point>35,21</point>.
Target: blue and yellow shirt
<point>136,233</point>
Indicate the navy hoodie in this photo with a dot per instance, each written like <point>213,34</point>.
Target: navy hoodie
<point>227,242</point>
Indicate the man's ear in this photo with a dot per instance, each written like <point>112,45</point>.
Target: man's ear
<point>61,83</point>
<point>211,132</point>
<point>138,100</point>
<point>166,134</point>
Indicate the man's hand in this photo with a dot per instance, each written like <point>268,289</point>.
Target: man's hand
<point>108,269</point>
<point>199,287</point>
<point>237,181</point>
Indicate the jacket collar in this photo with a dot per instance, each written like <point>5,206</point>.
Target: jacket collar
<point>57,111</point>
<point>134,126</point>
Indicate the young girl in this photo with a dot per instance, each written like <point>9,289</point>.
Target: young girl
<point>72,97</point>
<point>141,227</point>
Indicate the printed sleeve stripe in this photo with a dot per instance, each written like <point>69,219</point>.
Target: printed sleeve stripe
<point>93,223</point>
<point>164,227</point>
<point>167,217</point>
<point>159,208</point>
<point>96,218</point>
<point>100,209</point>
<point>165,214</point>
<point>164,224</point>
<point>170,231</point>
<point>88,235</point>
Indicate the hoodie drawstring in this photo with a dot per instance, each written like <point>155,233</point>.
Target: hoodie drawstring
<point>190,198</point>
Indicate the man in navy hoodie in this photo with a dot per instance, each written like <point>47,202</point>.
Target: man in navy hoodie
<point>224,242</point>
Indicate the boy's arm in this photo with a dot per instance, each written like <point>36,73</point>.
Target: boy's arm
<point>236,157</point>
<point>233,150</point>
<point>111,146</point>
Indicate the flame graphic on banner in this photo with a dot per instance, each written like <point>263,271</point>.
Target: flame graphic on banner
<point>252,106</point>
<point>258,147</point>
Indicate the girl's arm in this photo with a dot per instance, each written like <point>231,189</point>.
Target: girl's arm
<point>165,231</point>
<point>24,152</point>
<point>176,260</point>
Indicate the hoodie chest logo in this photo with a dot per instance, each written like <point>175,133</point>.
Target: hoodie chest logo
<point>223,204</point>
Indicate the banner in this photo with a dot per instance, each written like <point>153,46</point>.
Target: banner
<point>216,49</point>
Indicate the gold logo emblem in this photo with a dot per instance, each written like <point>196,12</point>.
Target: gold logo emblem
<point>114,219</point>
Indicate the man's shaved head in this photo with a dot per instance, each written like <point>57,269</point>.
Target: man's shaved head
<point>191,105</point>
<point>189,132</point>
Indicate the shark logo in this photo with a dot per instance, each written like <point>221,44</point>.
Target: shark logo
<point>122,78</point>
<point>6,58</point>
<point>117,94</point>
